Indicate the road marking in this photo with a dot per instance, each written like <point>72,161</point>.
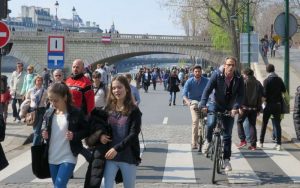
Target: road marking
<point>80,161</point>
<point>287,162</point>
<point>3,34</point>
<point>165,121</point>
<point>241,169</point>
<point>16,164</point>
<point>179,165</point>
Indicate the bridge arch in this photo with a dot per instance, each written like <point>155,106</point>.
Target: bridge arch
<point>117,54</point>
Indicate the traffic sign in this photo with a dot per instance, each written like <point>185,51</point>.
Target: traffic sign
<point>56,52</point>
<point>279,25</point>
<point>55,60</point>
<point>4,34</point>
<point>254,47</point>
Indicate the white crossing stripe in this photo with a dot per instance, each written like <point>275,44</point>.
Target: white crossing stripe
<point>16,164</point>
<point>241,169</point>
<point>165,121</point>
<point>3,34</point>
<point>287,162</point>
<point>179,165</point>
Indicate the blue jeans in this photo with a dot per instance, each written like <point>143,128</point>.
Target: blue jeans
<point>228,125</point>
<point>128,173</point>
<point>61,174</point>
<point>38,126</point>
<point>174,98</point>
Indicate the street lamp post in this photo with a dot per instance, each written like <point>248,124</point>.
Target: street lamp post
<point>73,10</point>
<point>56,7</point>
<point>248,32</point>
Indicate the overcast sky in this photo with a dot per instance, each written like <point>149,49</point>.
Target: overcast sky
<point>129,16</point>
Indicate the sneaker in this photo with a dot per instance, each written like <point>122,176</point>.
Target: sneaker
<point>205,147</point>
<point>227,165</point>
<point>18,121</point>
<point>242,144</point>
<point>169,104</point>
<point>260,145</point>
<point>277,147</point>
<point>253,148</point>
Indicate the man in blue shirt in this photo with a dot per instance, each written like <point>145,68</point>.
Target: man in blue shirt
<point>192,92</point>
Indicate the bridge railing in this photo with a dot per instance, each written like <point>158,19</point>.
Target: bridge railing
<point>116,38</point>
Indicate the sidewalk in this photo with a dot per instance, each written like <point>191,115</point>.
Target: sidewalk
<point>16,133</point>
<point>287,124</point>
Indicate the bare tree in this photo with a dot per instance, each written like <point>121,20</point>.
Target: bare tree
<point>223,11</point>
<point>266,16</point>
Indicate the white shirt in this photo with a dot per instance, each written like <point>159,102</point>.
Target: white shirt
<point>59,149</point>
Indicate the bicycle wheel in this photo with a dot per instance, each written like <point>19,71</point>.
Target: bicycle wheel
<point>220,160</point>
<point>200,138</point>
<point>215,158</point>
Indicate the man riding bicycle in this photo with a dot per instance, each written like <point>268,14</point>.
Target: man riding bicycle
<point>192,92</point>
<point>228,87</point>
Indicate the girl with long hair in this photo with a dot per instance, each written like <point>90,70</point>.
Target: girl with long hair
<point>124,118</point>
<point>64,130</point>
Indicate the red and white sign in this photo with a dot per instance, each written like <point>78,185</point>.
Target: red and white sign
<point>106,39</point>
<point>56,44</point>
<point>4,34</point>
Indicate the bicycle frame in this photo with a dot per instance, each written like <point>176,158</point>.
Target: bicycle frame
<point>216,149</point>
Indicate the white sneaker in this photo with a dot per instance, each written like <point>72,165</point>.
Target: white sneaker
<point>227,165</point>
<point>18,121</point>
<point>277,147</point>
<point>205,147</point>
<point>259,145</point>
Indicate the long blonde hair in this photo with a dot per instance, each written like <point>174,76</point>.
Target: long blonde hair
<point>112,101</point>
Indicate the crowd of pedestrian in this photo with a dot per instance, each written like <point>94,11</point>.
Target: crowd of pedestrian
<point>104,111</point>
<point>66,112</point>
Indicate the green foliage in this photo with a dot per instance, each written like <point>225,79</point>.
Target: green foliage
<point>219,35</point>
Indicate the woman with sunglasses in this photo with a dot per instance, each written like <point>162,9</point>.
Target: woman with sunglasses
<point>28,82</point>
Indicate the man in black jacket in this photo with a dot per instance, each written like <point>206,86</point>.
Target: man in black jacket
<point>251,106</point>
<point>273,89</point>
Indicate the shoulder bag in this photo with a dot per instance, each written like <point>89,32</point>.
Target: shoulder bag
<point>31,116</point>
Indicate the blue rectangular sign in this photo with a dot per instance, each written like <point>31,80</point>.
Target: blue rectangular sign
<point>56,60</point>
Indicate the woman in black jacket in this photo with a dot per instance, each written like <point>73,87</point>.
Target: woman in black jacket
<point>65,128</point>
<point>124,119</point>
<point>173,86</point>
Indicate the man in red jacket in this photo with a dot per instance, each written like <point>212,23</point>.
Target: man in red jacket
<point>81,88</point>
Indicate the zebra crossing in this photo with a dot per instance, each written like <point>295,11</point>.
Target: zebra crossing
<point>177,163</point>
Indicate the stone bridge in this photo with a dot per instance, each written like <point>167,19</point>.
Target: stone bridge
<point>32,47</point>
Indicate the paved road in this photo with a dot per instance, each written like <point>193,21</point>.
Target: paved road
<point>167,160</point>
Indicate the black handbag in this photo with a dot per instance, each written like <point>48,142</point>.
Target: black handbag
<point>40,164</point>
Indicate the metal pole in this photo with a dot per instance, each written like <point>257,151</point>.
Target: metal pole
<point>56,19</point>
<point>0,73</point>
<point>287,48</point>
<point>248,31</point>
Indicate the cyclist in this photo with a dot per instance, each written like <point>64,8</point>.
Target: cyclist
<point>228,95</point>
<point>192,92</point>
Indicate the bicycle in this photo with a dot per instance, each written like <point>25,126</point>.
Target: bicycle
<point>216,149</point>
